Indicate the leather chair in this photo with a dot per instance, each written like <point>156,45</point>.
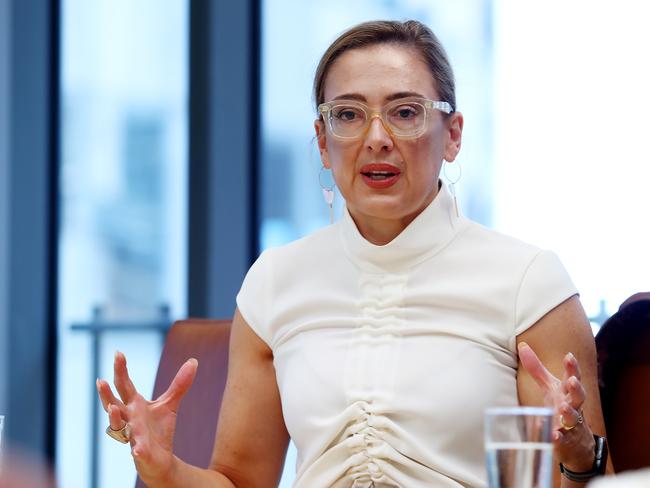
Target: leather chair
<point>196,424</point>
<point>623,345</point>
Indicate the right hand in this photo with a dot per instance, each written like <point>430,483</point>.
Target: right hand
<point>151,423</point>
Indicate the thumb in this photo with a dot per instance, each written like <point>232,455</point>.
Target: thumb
<point>535,368</point>
<point>180,385</point>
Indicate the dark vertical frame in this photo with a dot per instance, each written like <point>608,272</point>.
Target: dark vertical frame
<point>53,220</point>
<point>28,305</point>
<point>224,147</point>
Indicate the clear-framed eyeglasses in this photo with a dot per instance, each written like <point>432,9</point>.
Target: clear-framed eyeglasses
<point>403,118</point>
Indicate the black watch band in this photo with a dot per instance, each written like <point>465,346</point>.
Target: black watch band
<point>600,463</point>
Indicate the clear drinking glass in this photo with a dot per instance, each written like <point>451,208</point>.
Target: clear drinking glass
<point>518,447</point>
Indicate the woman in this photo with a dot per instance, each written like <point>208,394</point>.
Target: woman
<point>377,342</point>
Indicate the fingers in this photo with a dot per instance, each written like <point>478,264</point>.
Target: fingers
<point>535,368</point>
<point>571,367</point>
<point>569,417</point>
<point>121,379</point>
<point>115,418</point>
<point>572,386</point>
<point>572,436</point>
<point>106,395</point>
<point>575,392</point>
<point>180,384</point>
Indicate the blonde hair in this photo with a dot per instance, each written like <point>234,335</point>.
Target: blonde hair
<point>410,33</point>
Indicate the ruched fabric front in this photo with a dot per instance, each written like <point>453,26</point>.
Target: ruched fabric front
<point>367,451</point>
<point>387,356</point>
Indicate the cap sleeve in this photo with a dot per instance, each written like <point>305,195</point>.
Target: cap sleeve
<point>254,297</point>
<point>544,285</point>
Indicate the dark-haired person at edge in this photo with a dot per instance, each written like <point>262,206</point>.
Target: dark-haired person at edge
<point>622,344</point>
<point>376,343</point>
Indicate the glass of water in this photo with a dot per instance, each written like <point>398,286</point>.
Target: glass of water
<point>518,447</point>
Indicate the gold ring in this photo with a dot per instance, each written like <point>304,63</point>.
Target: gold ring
<point>121,435</point>
<point>571,427</point>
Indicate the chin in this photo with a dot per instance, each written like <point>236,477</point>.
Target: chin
<point>391,206</point>
<point>384,208</point>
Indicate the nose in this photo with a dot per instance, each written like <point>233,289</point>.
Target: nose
<point>377,136</point>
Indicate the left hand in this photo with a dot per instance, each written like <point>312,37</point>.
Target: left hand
<point>574,446</point>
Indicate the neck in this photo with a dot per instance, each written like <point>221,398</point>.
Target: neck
<point>380,230</point>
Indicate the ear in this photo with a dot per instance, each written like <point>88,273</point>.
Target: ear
<point>321,139</point>
<point>455,133</point>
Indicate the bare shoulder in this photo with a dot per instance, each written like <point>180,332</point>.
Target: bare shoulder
<point>252,439</point>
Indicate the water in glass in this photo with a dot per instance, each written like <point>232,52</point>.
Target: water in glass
<point>518,447</point>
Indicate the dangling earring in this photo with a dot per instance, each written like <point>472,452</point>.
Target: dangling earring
<point>328,193</point>
<point>452,183</point>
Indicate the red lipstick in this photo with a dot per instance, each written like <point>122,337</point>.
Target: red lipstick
<point>380,175</point>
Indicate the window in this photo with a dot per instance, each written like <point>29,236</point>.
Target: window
<point>572,166</point>
<point>123,210</point>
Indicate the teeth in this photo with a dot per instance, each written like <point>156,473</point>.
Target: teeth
<point>379,175</point>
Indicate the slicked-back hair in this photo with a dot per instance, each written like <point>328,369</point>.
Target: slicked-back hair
<point>410,33</point>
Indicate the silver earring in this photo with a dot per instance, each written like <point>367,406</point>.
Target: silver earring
<point>328,192</point>
<point>452,183</point>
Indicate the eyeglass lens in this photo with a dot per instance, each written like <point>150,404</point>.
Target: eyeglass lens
<point>405,119</point>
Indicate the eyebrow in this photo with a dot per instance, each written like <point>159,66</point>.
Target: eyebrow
<point>390,98</point>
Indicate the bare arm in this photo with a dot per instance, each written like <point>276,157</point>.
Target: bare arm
<point>252,439</point>
<point>558,369</point>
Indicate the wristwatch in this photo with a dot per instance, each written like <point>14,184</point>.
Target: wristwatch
<point>600,463</point>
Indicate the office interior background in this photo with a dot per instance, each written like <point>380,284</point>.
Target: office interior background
<point>150,149</point>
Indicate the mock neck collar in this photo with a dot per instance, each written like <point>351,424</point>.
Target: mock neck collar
<point>427,234</point>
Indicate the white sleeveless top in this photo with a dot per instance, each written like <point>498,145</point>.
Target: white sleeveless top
<point>386,356</point>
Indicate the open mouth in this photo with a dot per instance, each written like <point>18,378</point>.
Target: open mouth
<point>379,175</point>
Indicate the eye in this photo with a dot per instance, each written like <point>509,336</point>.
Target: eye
<point>406,112</point>
<point>347,114</point>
